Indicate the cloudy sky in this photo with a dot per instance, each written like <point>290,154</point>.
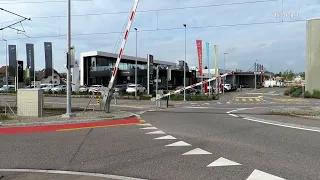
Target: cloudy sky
<point>247,31</point>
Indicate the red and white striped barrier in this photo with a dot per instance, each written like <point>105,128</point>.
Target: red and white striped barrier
<point>194,85</point>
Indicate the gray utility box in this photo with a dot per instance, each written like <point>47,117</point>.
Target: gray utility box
<point>30,102</point>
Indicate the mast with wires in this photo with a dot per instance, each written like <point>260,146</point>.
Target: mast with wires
<point>19,31</point>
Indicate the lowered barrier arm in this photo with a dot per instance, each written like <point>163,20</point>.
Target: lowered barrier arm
<point>194,85</point>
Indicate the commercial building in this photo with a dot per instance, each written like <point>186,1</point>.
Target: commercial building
<point>96,68</point>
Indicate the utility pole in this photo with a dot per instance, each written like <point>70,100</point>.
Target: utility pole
<point>69,113</point>
<point>255,75</point>
<point>136,66</point>
<point>185,60</point>
<point>157,77</point>
<point>224,67</point>
<point>6,63</point>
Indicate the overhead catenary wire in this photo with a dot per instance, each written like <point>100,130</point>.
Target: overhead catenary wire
<point>40,2</point>
<point>162,9</point>
<point>165,29</point>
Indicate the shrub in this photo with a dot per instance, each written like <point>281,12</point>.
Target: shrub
<point>316,94</point>
<point>289,91</point>
<point>307,94</point>
<point>297,92</point>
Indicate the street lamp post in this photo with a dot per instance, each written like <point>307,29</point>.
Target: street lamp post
<point>224,67</point>
<point>136,65</point>
<point>185,59</point>
<point>6,62</point>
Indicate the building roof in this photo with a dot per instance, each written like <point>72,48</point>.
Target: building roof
<point>2,71</point>
<point>113,55</point>
<point>42,74</point>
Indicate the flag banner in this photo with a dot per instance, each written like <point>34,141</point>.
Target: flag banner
<point>30,58</point>
<point>48,58</point>
<point>12,60</point>
<point>199,50</point>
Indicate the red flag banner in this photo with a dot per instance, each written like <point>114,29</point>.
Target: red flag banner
<point>199,49</point>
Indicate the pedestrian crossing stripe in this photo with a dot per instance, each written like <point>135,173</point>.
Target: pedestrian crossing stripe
<point>247,99</point>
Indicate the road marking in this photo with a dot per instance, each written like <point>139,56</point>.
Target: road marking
<point>166,137</point>
<point>259,175</point>
<point>194,107</point>
<point>233,115</point>
<point>156,132</point>
<point>237,99</point>
<point>250,99</point>
<point>91,127</point>
<point>179,143</point>
<point>150,128</point>
<point>197,151</point>
<point>107,176</point>
<point>223,162</point>
<point>145,124</point>
<point>271,94</point>
<point>244,99</point>
<point>282,125</point>
<point>258,99</point>
<point>247,97</point>
<point>206,104</point>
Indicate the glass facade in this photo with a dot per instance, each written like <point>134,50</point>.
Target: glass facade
<point>106,63</point>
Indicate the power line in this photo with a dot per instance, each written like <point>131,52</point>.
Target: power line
<point>164,9</point>
<point>165,29</point>
<point>40,2</point>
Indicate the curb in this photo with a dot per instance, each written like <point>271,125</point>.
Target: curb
<point>4,125</point>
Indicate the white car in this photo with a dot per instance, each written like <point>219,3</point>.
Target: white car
<point>132,88</point>
<point>47,87</point>
<point>59,88</point>
<point>227,87</point>
<point>96,88</point>
<point>84,88</point>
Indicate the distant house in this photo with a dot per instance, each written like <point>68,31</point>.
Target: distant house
<point>3,75</point>
<point>43,78</point>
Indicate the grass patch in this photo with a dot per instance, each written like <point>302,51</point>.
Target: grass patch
<point>4,117</point>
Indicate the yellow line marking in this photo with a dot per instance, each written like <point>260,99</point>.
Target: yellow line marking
<point>142,121</point>
<point>250,99</point>
<point>71,129</point>
<point>237,99</point>
<point>243,99</point>
<point>257,99</point>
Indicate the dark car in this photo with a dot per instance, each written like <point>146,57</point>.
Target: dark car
<point>120,88</point>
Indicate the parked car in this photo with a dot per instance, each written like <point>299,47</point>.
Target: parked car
<point>120,88</point>
<point>96,88</point>
<point>59,88</point>
<point>132,88</point>
<point>5,88</point>
<point>84,88</point>
<point>47,87</point>
<point>227,87</point>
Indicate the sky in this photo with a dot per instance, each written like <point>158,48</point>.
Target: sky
<point>248,32</point>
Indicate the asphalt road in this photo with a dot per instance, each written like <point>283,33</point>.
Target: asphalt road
<point>200,140</point>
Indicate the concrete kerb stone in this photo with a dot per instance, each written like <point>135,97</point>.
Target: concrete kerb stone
<point>71,121</point>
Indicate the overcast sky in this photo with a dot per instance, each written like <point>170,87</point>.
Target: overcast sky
<point>279,46</point>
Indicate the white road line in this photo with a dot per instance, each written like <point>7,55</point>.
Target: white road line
<point>179,143</point>
<point>156,132</point>
<point>145,124</point>
<point>283,125</point>
<point>194,107</point>
<point>107,176</point>
<point>166,137</point>
<point>247,97</point>
<point>197,151</point>
<point>259,175</point>
<point>146,128</point>
<point>223,162</point>
<point>233,115</point>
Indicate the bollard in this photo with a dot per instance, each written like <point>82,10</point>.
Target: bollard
<point>167,101</point>
<point>98,100</point>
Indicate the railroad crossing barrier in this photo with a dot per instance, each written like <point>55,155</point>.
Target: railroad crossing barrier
<point>193,85</point>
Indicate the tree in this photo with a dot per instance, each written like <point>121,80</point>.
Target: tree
<point>288,75</point>
<point>302,75</point>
